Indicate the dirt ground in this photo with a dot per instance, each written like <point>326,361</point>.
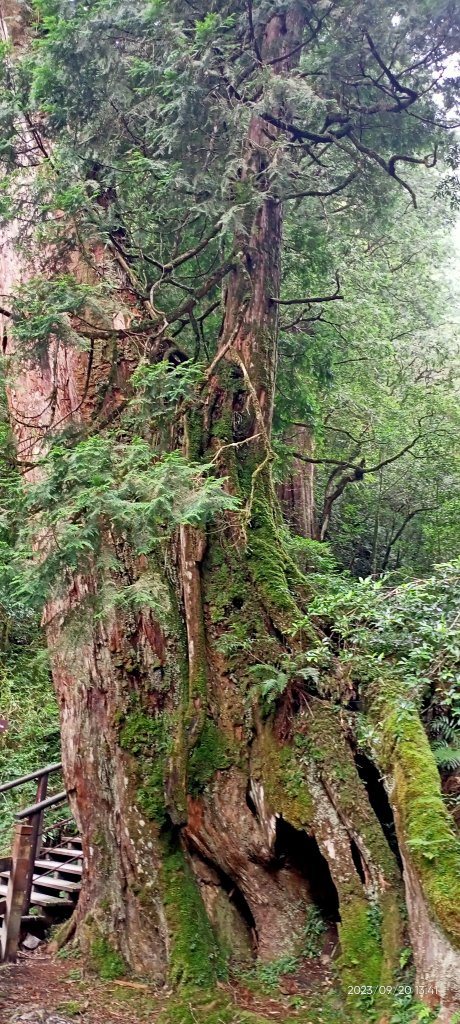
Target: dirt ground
<point>44,982</point>
<point>60,985</point>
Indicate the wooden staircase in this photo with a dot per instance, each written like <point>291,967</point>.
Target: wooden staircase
<point>37,875</point>
<point>56,879</point>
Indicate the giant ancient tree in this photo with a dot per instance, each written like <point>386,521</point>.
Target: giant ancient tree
<point>154,158</point>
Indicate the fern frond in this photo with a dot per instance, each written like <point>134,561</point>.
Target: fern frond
<point>446,757</point>
<point>444,729</point>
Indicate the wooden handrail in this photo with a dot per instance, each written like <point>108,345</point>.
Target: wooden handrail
<point>27,840</point>
<point>30,778</point>
<point>29,812</point>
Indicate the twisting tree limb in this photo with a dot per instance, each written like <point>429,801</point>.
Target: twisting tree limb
<point>394,81</point>
<point>361,468</point>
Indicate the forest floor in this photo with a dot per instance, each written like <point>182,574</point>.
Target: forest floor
<point>67,993</point>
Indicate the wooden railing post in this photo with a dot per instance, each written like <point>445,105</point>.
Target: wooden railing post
<point>21,869</point>
<point>36,820</point>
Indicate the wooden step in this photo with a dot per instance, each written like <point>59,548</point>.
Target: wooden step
<point>47,882</point>
<point>56,878</point>
<point>61,884</point>
<point>40,899</point>
<point>61,851</point>
<point>59,866</point>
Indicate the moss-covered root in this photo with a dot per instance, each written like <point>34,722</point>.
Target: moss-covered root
<point>429,846</point>
<point>370,941</point>
<point>194,954</point>
<point>370,928</point>
<point>315,786</point>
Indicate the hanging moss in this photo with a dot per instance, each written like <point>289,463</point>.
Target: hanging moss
<point>195,956</point>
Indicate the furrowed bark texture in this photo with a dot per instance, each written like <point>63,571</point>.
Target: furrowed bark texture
<point>108,678</point>
<point>207,831</point>
<point>297,492</point>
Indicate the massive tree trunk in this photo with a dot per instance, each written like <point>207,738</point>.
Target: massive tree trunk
<point>205,829</point>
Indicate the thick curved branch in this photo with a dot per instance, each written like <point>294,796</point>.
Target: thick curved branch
<point>347,478</point>
<point>167,268</point>
<point>393,458</point>
<point>352,472</point>
<point>200,293</point>
<point>361,468</point>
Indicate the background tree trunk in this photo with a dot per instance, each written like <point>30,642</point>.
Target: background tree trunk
<point>297,492</point>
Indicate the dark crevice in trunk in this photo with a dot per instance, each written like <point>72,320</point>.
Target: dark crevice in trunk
<point>379,801</point>
<point>299,852</point>
<point>237,898</point>
<point>250,801</point>
<point>357,861</point>
<point>230,888</point>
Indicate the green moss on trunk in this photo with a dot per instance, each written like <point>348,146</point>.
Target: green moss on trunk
<point>195,957</point>
<point>267,560</point>
<point>283,777</point>
<point>327,745</point>
<point>149,739</point>
<point>426,826</point>
<point>361,958</point>
<point>210,754</point>
<point>106,961</point>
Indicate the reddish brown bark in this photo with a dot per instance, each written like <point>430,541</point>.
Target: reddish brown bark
<point>297,492</point>
<point>255,281</point>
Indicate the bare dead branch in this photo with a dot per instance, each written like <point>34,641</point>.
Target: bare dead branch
<point>310,300</point>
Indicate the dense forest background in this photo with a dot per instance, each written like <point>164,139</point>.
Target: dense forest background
<point>230,470</point>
